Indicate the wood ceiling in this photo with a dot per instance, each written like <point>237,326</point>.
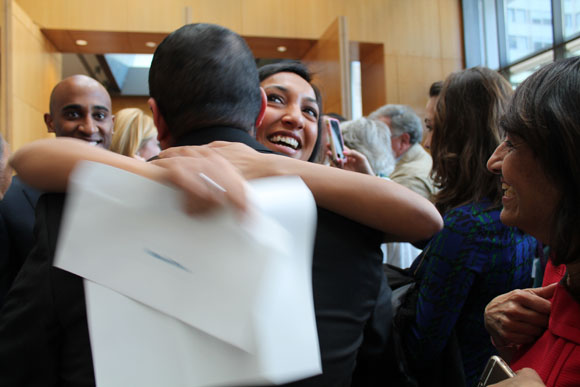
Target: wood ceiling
<point>100,42</point>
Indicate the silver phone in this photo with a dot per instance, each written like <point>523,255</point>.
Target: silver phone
<point>495,371</point>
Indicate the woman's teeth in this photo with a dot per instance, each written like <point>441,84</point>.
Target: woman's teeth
<point>507,190</point>
<point>284,140</point>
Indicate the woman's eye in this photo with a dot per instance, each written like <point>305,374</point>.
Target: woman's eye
<point>311,111</point>
<point>509,144</point>
<point>275,98</point>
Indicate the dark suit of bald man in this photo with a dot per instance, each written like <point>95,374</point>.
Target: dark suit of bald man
<point>16,226</point>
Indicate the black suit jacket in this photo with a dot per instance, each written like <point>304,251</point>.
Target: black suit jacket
<point>16,225</point>
<point>347,275</point>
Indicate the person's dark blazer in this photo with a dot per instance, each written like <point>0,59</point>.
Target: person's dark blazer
<point>347,275</point>
<point>16,225</point>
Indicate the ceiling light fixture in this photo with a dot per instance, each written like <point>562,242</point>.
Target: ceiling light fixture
<point>281,49</point>
<point>81,42</point>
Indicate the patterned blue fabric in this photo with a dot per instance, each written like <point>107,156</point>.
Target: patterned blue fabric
<point>472,260</point>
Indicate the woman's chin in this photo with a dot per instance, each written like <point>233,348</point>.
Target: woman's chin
<point>507,217</point>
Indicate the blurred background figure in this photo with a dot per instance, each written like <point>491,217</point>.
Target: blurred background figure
<point>5,169</point>
<point>135,134</point>
<point>6,271</point>
<point>434,91</point>
<point>369,146</point>
<point>413,162</point>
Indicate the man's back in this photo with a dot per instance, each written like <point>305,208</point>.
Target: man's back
<point>346,277</point>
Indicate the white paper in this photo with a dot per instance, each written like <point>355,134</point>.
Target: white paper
<point>220,301</point>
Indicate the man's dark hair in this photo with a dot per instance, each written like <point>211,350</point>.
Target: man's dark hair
<point>298,68</point>
<point>435,89</point>
<point>204,75</point>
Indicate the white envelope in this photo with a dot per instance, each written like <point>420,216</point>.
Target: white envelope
<point>221,300</point>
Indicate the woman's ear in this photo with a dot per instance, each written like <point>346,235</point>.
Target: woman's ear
<point>262,108</point>
<point>163,134</point>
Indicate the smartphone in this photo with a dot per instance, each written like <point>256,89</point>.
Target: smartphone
<point>495,371</point>
<point>335,138</point>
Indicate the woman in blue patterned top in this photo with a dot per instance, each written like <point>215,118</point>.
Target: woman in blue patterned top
<point>475,257</point>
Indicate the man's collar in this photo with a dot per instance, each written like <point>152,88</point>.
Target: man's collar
<point>220,133</point>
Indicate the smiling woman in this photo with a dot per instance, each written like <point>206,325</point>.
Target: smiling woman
<point>540,172</point>
<point>291,123</point>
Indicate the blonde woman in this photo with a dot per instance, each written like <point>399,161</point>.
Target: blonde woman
<point>135,134</point>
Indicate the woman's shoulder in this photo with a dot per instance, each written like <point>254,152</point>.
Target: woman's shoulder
<point>482,221</point>
<point>482,212</point>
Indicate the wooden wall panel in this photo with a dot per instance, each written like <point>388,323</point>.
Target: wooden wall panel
<point>122,102</point>
<point>103,15</point>
<point>275,17</point>
<point>368,21</point>
<point>413,28</point>
<point>391,79</point>
<point>28,124</point>
<point>415,81</point>
<point>36,68</point>
<point>449,66</point>
<point>312,18</point>
<point>450,21</point>
<point>324,60</point>
<point>5,69</point>
<point>223,12</point>
<point>372,60</point>
<point>145,16</point>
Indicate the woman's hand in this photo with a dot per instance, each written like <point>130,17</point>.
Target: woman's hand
<point>520,316</point>
<point>208,180</point>
<point>250,163</point>
<point>357,162</point>
<point>354,161</point>
<point>526,377</point>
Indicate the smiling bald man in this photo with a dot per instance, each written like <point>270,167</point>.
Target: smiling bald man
<point>80,107</point>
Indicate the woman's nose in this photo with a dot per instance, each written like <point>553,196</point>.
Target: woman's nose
<point>293,117</point>
<point>495,162</point>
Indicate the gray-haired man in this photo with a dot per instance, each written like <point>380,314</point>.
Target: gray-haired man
<point>413,162</point>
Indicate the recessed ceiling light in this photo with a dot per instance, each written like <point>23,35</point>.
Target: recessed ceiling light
<point>281,49</point>
<point>81,42</point>
<point>151,44</point>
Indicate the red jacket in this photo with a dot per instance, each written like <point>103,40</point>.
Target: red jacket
<point>556,355</point>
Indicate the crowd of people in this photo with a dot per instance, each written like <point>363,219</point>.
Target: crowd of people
<point>465,208</point>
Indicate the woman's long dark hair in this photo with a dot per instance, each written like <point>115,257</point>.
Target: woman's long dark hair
<point>298,68</point>
<point>465,134</point>
<point>545,115</point>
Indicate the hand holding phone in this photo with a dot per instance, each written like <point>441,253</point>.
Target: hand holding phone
<point>335,139</point>
<point>495,371</point>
